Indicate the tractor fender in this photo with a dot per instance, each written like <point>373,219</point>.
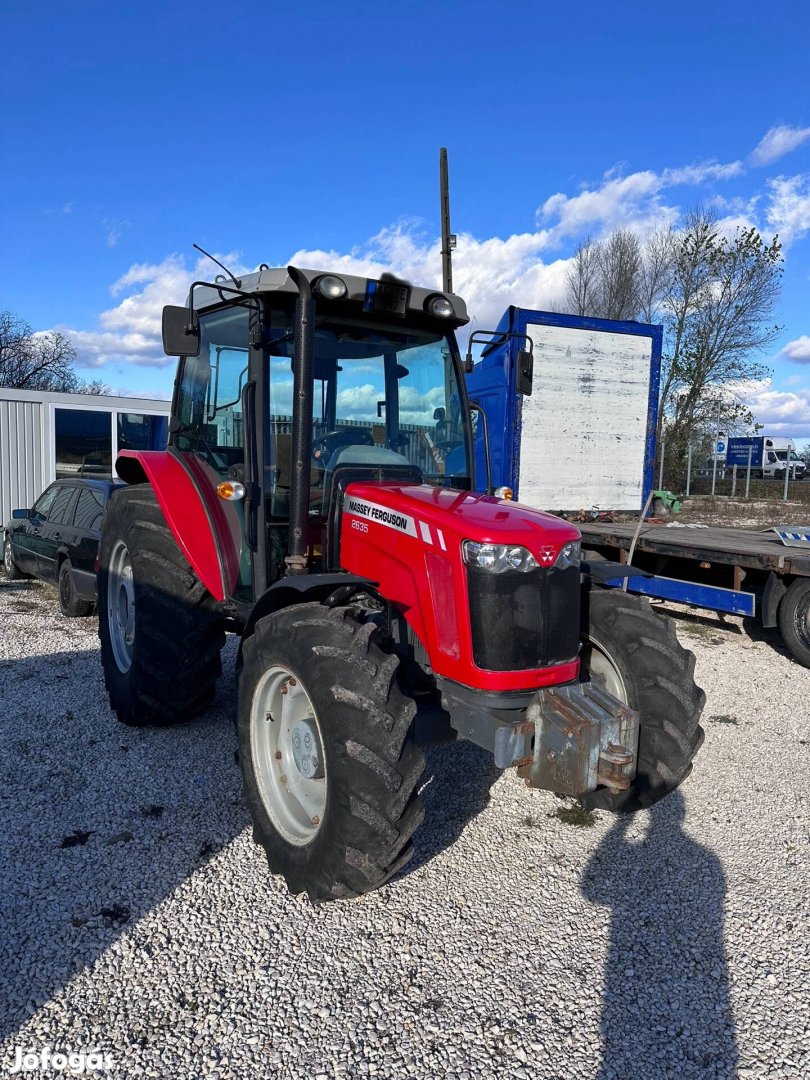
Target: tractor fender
<point>206,528</point>
<point>300,589</point>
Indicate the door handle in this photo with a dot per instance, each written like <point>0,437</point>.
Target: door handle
<point>57,536</point>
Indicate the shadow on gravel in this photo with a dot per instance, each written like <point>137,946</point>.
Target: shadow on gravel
<point>100,822</point>
<point>666,1011</point>
<point>458,778</point>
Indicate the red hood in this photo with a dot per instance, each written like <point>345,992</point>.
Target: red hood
<point>471,516</point>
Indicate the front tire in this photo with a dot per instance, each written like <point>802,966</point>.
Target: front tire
<point>343,825</point>
<point>12,573</point>
<point>161,631</point>
<point>637,657</point>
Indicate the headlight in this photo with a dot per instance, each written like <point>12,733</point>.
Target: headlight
<point>331,287</point>
<point>569,555</point>
<point>498,558</point>
<point>440,306</point>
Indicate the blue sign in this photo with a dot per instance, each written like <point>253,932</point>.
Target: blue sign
<point>720,446</point>
<point>738,450</point>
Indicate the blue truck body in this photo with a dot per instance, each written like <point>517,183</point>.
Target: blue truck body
<point>601,381</point>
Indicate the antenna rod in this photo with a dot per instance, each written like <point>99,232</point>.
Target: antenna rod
<point>208,255</point>
<point>448,239</point>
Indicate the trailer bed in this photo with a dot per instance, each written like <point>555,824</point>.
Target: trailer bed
<point>749,549</point>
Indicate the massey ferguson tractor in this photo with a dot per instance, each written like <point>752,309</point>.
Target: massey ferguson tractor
<point>318,498</point>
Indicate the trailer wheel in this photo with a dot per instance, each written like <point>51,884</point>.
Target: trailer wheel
<point>161,632</point>
<point>636,655</point>
<point>329,769</point>
<point>794,620</point>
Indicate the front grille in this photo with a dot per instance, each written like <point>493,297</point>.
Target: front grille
<point>522,621</point>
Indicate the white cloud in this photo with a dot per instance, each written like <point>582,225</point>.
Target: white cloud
<point>788,211</point>
<point>112,230</point>
<point>798,350</point>
<point>783,412</point>
<point>777,142</point>
<point>635,201</point>
<point>130,332</point>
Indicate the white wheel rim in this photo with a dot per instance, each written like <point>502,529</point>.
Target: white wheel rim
<point>281,718</point>
<point>597,666</point>
<point>121,607</point>
<point>7,557</point>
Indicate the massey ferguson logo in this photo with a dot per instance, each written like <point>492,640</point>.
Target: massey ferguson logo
<point>547,555</point>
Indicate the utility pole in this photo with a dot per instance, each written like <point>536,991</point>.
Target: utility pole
<point>448,239</point>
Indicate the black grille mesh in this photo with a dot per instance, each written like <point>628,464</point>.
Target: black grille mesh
<point>522,621</point>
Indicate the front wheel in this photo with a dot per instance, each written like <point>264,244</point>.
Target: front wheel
<point>12,573</point>
<point>635,654</point>
<point>329,768</point>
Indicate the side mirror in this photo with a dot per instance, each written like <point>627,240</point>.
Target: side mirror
<point>20,515</point>
<point>525,371</point>
<point>439,414</point>
<point>179,339</point>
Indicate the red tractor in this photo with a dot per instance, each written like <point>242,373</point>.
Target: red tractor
<point>318,498</point>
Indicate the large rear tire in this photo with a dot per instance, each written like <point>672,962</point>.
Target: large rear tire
<point>329,768</point>
<point>635,653</point>
<point>161,631</point>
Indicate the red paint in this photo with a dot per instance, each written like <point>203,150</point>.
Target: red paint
<point>207,534</point>
<point>405,567</point>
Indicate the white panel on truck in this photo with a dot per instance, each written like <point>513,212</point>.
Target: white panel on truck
<point>585,423</point>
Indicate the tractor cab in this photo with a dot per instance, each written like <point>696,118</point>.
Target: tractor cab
<point>373,370</point>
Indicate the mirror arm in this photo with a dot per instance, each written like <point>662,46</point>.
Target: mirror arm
<point>475,407</point>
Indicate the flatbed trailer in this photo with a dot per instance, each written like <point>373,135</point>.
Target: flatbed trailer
<point>756,574</point>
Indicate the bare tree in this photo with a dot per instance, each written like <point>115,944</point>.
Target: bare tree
<point>654,280</point>
<point>43,361</point>
<point>583,290</point>
<point>718,311</point>
<point>619,262</point>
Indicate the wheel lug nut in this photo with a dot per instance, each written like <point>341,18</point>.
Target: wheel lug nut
<point>316,820</point>
<point>278,755</point>
<point>283,779</point>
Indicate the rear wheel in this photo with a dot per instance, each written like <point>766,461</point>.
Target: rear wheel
<point>161,631</point>
<point>329,768</point>
<point>12,573</point>
<point>794,620</point>
<point>635,654</point>
<point>70,603</point>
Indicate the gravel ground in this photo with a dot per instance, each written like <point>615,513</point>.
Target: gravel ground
<point>137,917</point>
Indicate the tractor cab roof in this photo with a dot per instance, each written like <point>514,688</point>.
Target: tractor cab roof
<point>402,299</point>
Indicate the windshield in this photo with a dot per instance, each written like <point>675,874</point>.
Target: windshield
<point>380,397</point>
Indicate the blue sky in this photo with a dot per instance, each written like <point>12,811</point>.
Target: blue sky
<point>272,131</point>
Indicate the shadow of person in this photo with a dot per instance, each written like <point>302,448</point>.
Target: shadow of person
<point>666,1012</point>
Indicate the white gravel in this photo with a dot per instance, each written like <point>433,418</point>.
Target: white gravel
<point>518,945</point>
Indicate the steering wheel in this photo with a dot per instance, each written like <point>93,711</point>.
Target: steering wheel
<point>326,445</point>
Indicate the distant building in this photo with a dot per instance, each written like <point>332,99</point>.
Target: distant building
<point>44,436</point>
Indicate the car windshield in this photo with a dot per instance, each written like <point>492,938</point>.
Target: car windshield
<point>380,397</point>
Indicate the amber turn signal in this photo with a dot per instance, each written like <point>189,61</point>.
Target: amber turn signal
<point>231,490</point>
